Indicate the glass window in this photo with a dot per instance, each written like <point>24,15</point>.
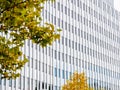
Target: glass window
<point>84,21</point>
<point>55,87</point>
<point>65,10</point>
<point>58,55</point>
<point>68,12</point>
<point>59,88</point>
<point>62,56</point>
<point>76,45</point>
<point>54,5</point>
<point>28,82</point>
<point>72,13</point>
<point>39,65</point>
<point>31,84</point>
<point>14,83</point>
<point>69,27</point>
<point>55,20</point>
<point>63,74</point>
<point>10,83</point>
<point>66,74</point>
<point>23,82</point>
<point>63,40</point>
<point>82,64</point>
<point>75,15</point>
<point>69,43</point>
<point>0,79</point>
<point>35,64</point>
<point>78,17</point>
<point>78,32</point>
<point>78,3</point>
<point>81,33</point>
<point>58,6</point>
<point>28,42</point>
<point>4,81</point>
<point>49,87</point>
<point>39,86</point>
<point>73,60</point>
<point>62,8</point>
<point>65,25</point>
<point>52,18</point>
<point>42,85</point>
<point>79,63</point>
<point>55,54</point>
<point>49,69</point>
<point>82,48</point>
<point>72,29</point>
<point>76,61</point>
<point>32,44</point>
<point>59,22</point>
<point>55,72</point>
<point>75,30</point>
<point>70,74</point>
<point>28,63</point>
<point>79,47</point>
<point>49,16</point>
<point>73,44</point>
<point>19,83</point>
<point>31,62</point>
<point>70,59</point>
<point>91,66</point>
<point>66,58</point>
<point>42,67</point>
<point>46,68</point>
<point>85,64</point>
<point>66,41</point>
<point>43,50</point>
<point>71,1</point>
<point>59,72</point>
<point>35,85</point>
<point>85,49</point>
<point>84,6</point>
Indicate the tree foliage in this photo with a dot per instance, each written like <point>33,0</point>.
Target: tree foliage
<point>19,21</point>
<point>77,82</point>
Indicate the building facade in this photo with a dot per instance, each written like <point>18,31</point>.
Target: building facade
<point>90,43</point>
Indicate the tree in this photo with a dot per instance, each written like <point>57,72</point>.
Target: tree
<point>77,82</point>
<point>19,21</point>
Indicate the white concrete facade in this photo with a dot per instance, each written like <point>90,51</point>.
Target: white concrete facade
<point>90,43</point>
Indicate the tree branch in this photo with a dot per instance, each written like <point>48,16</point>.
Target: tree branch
<point>6,9</point>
